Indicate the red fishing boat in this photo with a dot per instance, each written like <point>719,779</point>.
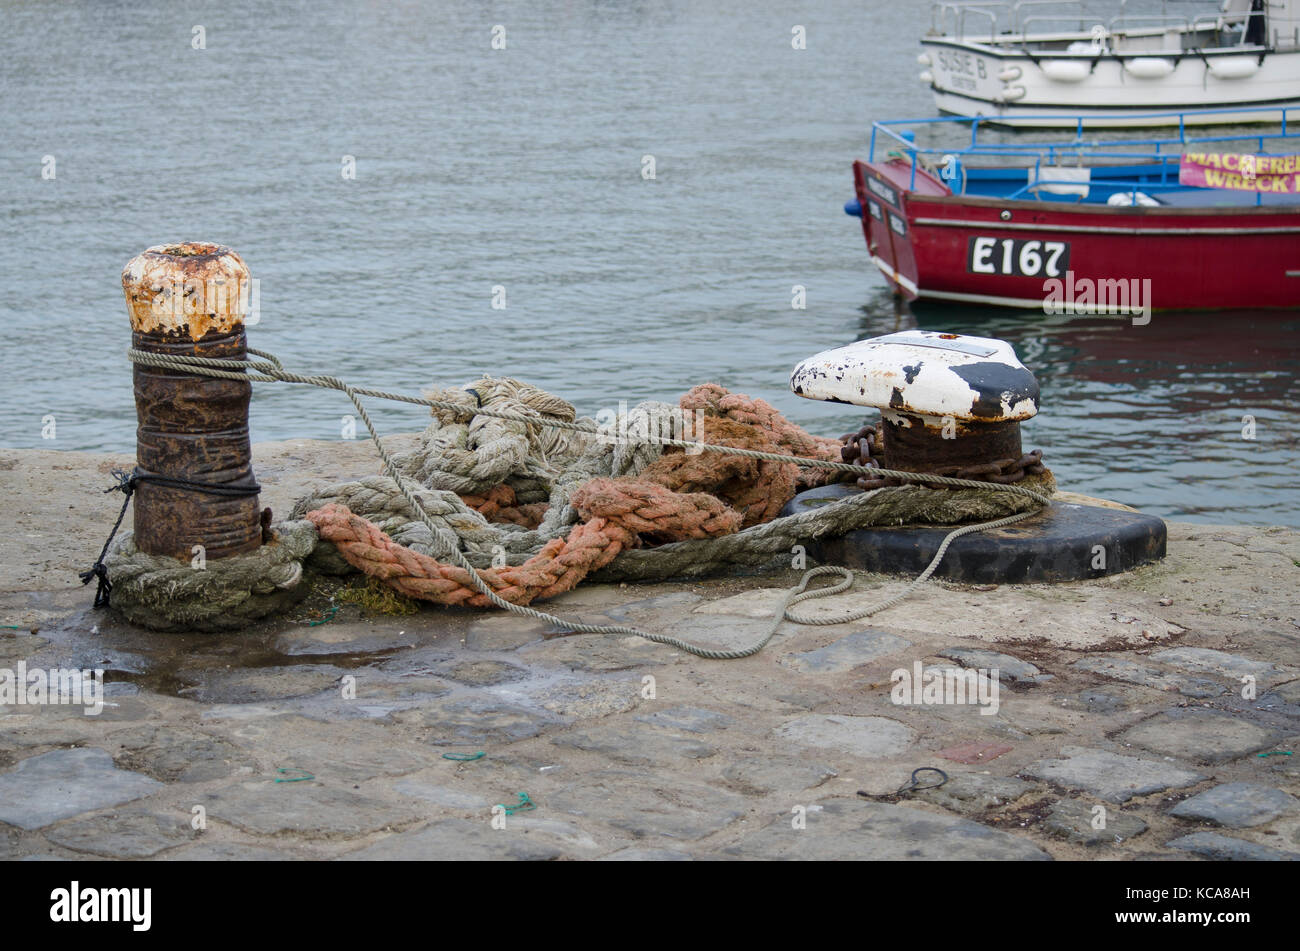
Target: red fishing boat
<point>1126,226</point>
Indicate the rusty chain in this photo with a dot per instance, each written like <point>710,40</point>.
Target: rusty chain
<point>859,449</point>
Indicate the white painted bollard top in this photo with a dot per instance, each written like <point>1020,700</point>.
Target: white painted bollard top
<point>924,373</point>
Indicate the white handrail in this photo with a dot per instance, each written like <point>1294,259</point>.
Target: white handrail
<point>1008,20</point>
<point>1125,22</point>
<point>1016,10</point>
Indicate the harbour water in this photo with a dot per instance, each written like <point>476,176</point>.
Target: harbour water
<point>526,169</point>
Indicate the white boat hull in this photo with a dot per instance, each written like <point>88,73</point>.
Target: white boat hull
<point>973,79</point>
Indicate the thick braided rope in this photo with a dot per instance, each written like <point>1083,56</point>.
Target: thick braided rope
<point>557,568</point>
<point>615,514</point>
<point>164,593</point>
<point>764,416</point>
<point>471,453</point>
<point>273,371</point>
<point>500,504</point>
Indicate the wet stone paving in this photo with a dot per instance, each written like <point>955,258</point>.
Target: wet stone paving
<point>1151,715</point>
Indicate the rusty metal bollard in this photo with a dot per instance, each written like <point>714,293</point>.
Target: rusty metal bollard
<point>946,400</point>
<point>194,475</point>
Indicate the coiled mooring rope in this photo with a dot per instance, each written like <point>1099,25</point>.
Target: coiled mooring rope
<point>270,370</point>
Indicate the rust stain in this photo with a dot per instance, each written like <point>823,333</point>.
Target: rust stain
<point>975,752</point>
<point>913,444</point>
<point>188,289</point>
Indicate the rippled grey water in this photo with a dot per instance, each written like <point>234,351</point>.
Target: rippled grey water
<point>522,168</point>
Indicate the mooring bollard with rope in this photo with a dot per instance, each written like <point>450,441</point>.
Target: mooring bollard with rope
<point>194,478</point>
<point>195,495</point>
<point>196,499</point>
<point>163,593</point>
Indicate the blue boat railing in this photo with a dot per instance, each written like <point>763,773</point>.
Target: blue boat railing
<point>1115,185</point>
<point>901,133</point>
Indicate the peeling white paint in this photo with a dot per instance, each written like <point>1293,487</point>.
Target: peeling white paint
<point>924,373</point>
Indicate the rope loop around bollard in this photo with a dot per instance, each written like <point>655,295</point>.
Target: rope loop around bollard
<point>270,370</point>
<point>127,483</point>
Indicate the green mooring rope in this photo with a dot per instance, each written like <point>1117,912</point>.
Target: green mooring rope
<point>270,370</point>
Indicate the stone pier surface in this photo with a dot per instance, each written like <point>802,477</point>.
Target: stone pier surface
<point>1150,715</point>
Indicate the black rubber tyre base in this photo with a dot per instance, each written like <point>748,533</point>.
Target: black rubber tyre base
<point>1064,542</point>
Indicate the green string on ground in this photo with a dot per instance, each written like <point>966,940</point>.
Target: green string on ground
<point>324,618</point>
<point>523,805</point>
<point>464,757</point>
<point>285,770</point>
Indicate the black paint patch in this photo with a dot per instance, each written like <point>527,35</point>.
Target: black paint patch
<point>994,381</point>
<point>896,400</point>
<point>909,373</point>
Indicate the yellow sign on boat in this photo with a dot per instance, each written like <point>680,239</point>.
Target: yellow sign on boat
<point>1240,171</point>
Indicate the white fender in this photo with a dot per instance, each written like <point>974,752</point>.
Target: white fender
<point>1065,70</point>
<point>1149,67</point>
<point>1233,67</point>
